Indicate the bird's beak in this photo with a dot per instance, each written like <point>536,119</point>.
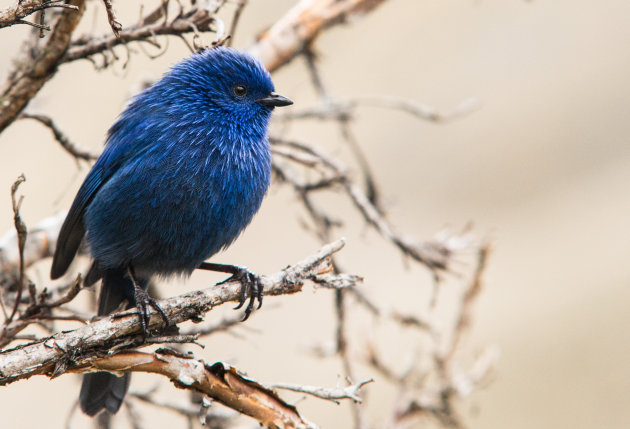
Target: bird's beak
<point>274,100</point>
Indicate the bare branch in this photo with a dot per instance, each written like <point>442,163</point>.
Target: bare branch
<point>34,24</point>
<point>16,14</point>
<point>219,381</point>
<point>111,17</point>
<point>28,78</point>
<point>343,109</point>
<point>301,25</point>
<point>336,281</point>
<point>68,296</point>
<point>276,47</point>
<point>330,394</point>
<point>240,5</point>
<point>472,292</point>
<point>40,309</point>
<point>429,380</point>
<point>410,320</point>
<point>53,355</point>
<point>21,232</point>
<point>197,20</point>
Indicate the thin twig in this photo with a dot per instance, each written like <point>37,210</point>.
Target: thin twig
<point>111,17</point>
<point>20,228</point>
<point>301,25</point>
<point>34,24</point>
<point>70,147</point>
<point>240,5</point>
<point>333,394</point>
<point>471,294</point>
<point>343,109</point>
<point>86,48</point>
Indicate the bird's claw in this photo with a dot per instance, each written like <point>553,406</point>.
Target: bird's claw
<point>143,302</point>
<point>251,286</point>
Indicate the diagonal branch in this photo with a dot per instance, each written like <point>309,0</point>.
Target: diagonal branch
<point>54,354</point>
<point>344,109</point>
<point>330,394</point>
<point>112,18</point>
<point>70,147</point>
<point>16,14</point>
<point>301,25</point>
<point>437,255</point>
<point>287,38</point>
<point>27,79</point>
<point>219,381</point>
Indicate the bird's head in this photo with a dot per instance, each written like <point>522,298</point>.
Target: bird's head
<point>224,85</point>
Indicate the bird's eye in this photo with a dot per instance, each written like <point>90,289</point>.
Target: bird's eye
<point>239,90</point>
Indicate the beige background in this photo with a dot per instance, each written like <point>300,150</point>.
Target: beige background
<point>543,168</point>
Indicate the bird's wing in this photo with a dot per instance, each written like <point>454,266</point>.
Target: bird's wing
<point>72,230</point>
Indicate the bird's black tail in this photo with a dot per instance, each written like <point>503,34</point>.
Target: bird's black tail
<point>103,390</point>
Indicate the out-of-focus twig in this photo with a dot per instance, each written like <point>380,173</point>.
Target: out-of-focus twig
<point>240,5</point>
<point>342,109</point>
<point>470,295</point>
<point>436,255</point>
<point>301,25</point>
<point>186,409</point>
<point>111,18</point>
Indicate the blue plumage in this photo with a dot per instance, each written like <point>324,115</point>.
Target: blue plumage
<point>184,170</point>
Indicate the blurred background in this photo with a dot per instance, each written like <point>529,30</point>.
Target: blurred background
<point>542,168</point>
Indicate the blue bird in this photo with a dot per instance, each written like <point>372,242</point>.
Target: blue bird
<point>184,169</point>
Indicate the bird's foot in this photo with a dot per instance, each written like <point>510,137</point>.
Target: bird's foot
<point>143,304</point>
<point>251,286</point>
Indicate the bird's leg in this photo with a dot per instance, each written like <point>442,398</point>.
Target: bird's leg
<point>143,301</point>
<point>251,284</point>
